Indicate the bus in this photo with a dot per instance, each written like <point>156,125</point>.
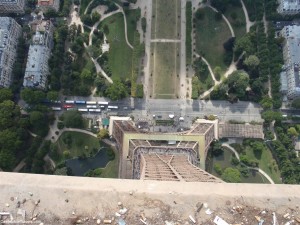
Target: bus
<point>91,103</point>
<point>102,103</point>
<point>79,102</point>
<point>94,110</point>
<point>91,106</point>
<point>82,110</point>
<point>112,107</point>
<point>56,108</point>
<point>66,106</point>
<point>69,101</point>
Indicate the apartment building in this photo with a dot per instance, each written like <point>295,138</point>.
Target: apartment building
<point>12,6</point>
<point>289,7</point>
<point>37,69</point>
<point>45,5</point>
<point>290,81</point>
<point>10,32</point>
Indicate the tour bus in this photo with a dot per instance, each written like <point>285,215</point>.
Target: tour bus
<point>56,108</point>
<point>91,106</point>
<point>71,109</point>
<point>91,103</point>
<point>66,106</point>
<point>82,110</point>
<point>94,110</point>
<point>102,103</point>
<point>79,102</point>
<point>69,101</point>
<point>113,107</point>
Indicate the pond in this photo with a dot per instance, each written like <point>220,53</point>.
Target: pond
<point>224,160</point>
<point>80,166</point>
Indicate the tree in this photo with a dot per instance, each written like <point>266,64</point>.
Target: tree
<point>103,133</point>
<point>231,175</point>
<point>293,132</point>
<point>266,102</point>
<point>252,62</point>
<point>270,115</point>
<point>237,82</point>
<point>52,95</point>
<point>117,90</point>
<point>258,148</point>
<point>31,96</point>
<point>5,94</point>
<point>95,17</point>
<point>244,44</point>
<point>218,169</point>
<point>144,24</point>
<point>218,72</point>
<point>87,75</point>
<point>72,119</point>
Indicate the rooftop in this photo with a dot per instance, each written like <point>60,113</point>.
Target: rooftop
<point>2,2</point>
<point>65,200</point>
<point>35,61</point>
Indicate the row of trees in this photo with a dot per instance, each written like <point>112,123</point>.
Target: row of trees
<point>13,134</point>
<point>283,150</point>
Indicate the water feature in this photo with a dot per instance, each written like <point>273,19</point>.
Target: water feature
<point>224,160</point>
<point>80,166</point>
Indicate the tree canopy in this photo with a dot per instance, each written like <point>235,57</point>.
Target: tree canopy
<point>72,119</point>
<point>231,175</point>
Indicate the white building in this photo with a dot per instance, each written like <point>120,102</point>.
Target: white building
<point>37,69</point>
<point>289,7</point>
<point>12,6</point>
<point>290,80</point>
<point>10,32</point>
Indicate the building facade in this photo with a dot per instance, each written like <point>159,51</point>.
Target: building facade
<point>288,7</point>
<point>45,5</point>
<point>290,80</point>
<point>10,32</point>
<point>12,6</point>
<point>37,69</point>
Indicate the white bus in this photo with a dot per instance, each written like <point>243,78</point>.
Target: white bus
<point>112,107</point>
<point>69,101</point>
<point>102,103</point>
<point>56,108</point>
<point>91,106</point>
<point>94,110</point>
<point>82,110</point>
<point>91,103</point>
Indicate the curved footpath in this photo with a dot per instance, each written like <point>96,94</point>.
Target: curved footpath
<point>248,22</point>
<point>252,168</point>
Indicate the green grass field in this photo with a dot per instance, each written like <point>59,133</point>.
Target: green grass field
<point>210,36</point>
<point>131,17</point>
<point>188,40</point>
<point>165,19</point>
<point>236,17</point>
<point>112,168</point>
<point>120,54</point>
<point>77,142</point>
<point>266,163</point>
<point>164,69</point>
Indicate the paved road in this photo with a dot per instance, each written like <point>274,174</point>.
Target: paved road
<point>243,111</point>
<point>182,72</point>
<point>166,40</point>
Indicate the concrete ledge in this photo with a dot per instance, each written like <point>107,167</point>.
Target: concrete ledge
<point>95,196</point>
